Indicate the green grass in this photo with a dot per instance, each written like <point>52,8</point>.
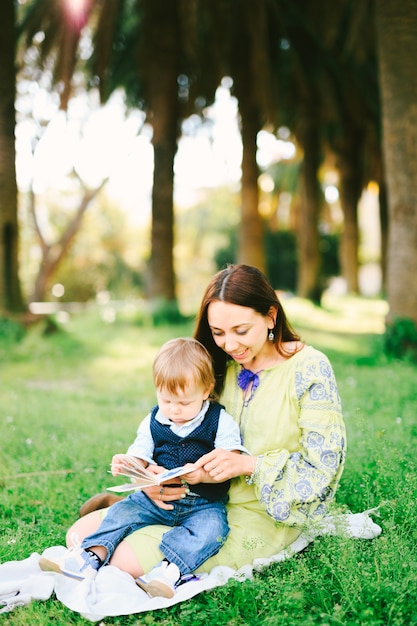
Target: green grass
<point>70,400</point>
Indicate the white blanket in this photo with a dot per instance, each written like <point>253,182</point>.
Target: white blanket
<point>114,592</point>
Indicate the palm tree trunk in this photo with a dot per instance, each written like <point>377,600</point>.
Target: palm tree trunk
<point>351,178</point>
<point>250,76</point>
<point>10,290</point>
<point>251,235</point>
<point>308,281</point>
<point>161,77</point>
<point>383,219</point>
<point>397,51</point>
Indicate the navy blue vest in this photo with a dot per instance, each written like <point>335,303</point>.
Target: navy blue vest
<point>173,451</point>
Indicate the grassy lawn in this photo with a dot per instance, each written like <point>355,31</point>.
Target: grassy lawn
<point>70,400</point>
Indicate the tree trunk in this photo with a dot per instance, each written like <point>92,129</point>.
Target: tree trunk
<point>161,76</point>
<point>351,179</point>
<point>250,76</point>
<point>54,253</point>
<point>383,218</point>
<point>309,281</point>
<point>10,290</point>
<point>397,50</point>
<point>251,234</point>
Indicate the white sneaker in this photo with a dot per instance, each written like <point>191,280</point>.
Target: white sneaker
<point>160,581</point>
<point>76,563</point>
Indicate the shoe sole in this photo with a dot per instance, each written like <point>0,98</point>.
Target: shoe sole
<point>49,566</point>
<point>156,588</point>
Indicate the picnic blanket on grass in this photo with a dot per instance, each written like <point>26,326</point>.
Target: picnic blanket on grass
<point>114,592</point>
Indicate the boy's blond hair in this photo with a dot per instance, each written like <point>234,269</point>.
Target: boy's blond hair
<point>182,362</point>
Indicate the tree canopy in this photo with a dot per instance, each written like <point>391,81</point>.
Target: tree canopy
<point>324,71</point>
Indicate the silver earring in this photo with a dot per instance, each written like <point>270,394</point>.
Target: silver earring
<point>271,335</point>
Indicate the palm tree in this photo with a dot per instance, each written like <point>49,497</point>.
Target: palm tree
<point>10,290</point>
<point>397,54</point>
<point>149,49</point>
<point>330,100</point>
<point>249,61</point>
<point>301,73</point>
<point>352,125</point>
<point>165,48</point>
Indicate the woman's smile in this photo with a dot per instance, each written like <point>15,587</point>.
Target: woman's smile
<point>239,355</point>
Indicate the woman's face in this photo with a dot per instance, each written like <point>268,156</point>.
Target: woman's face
<point>238,330</point>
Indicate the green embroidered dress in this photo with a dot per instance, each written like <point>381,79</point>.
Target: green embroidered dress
<point>294,425</point>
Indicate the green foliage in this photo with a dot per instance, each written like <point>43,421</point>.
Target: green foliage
<point>401,339</point>
<point>329,248</point>
<point>164,312</point>
<point>10,331</point>
<point>70,400</point>
<point>281,257</point>
<point>227,254</point>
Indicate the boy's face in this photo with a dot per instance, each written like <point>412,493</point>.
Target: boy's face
<point>183,405</point>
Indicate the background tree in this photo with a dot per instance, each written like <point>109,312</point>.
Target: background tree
<point>319,54</point>
<point>352,124</point>
<point>300,72</point>
<point>53,252</point>
<point>178,72</point>
<point>397,55</point>
<point>159,66</point>
<point>150,49</point>
<point>10,291</point>
<point>250,62</point>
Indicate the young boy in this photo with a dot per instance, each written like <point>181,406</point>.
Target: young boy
<point>180,429</point>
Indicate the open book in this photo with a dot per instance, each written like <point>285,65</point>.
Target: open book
<point>142,477</point>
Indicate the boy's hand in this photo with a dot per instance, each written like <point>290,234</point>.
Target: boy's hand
<point>117,461</point>
<point>156,469</point>
<point>195,476</point>
<point>120,460</point>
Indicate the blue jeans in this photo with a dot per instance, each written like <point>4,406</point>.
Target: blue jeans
<point>199,528</point>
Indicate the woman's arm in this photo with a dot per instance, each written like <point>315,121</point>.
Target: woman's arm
<point>295,487</point>
<point>222,465</point>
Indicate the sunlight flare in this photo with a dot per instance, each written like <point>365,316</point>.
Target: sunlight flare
<point>76,12</point>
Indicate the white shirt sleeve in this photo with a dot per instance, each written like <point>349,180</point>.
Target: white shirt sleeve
<point>143,446</point>
<point>228,434</point>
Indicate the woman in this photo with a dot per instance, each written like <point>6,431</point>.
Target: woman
<point>284,396</point>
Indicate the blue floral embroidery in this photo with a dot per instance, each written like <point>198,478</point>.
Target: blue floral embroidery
<point>321,510</point>
<point>315,439</point>
<point>317,391</point>
<point>281,511</point>
<point>329,458</point>
<point>279,493</point>
<point>325,369</point>
<point>266,493</point>
<point>304,488</point>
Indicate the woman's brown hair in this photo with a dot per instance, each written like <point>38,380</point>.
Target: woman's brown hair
<point>247,286</point>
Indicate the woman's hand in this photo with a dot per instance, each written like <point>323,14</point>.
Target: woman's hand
<point>222,465</point>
